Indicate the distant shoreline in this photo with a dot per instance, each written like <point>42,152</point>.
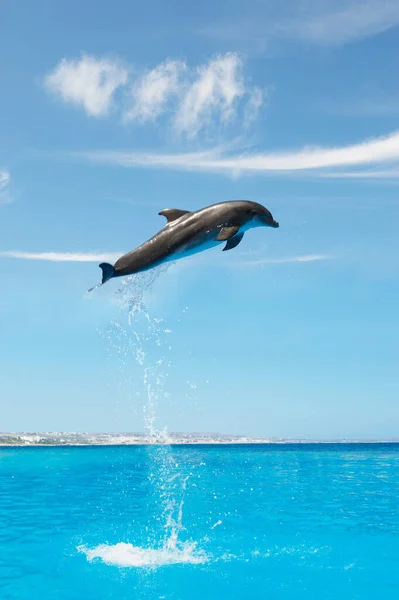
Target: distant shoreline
<point>201,443</point>
<point>60,439</point>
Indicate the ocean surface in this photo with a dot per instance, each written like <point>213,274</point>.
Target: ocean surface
<point>200,522</point>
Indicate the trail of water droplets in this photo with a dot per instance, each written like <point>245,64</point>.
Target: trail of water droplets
<point>141,344</point>
<point>138,340</point>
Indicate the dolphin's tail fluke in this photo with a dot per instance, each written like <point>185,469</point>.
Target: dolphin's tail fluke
<point>108,271</point>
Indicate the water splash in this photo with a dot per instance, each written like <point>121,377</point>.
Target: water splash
<point>127,555</point>
<point>130,294</point>
<point>169,484</point>
<point>135,339</point>
<point>141,344</point>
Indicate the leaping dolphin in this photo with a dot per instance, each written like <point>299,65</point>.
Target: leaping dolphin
<point>187,233</point>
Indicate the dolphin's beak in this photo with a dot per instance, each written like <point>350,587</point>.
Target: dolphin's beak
<point>275,224</point>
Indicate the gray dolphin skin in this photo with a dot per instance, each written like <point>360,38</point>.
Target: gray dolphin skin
<point>187,233</point>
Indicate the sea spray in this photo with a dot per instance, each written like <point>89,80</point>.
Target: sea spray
<point>131,339</point>
<point>141,344</point>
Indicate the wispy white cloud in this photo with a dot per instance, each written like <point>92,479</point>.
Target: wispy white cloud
<point>214,94</point>
<point>5,196</point>
<point>197,99</point>
<point>279,261</point>
<point>253,106</point>
<point>88,82</point>
<point>4,179</point>
<point>151,92</point>
<point>62,256</point>
<point>377,151</point>
<point>323,23</point>
<point>377,174</point>
<point>194,99</point>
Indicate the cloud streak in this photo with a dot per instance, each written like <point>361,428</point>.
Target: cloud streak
<point>375,151</point>
<point>343,24</point>
<point>61,256</point>
<point>327,23</point>
<point>392,174</point>
<point>112,257</point>
<point>280,261</point>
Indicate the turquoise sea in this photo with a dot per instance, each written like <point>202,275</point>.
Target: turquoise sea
<point>200,522</point>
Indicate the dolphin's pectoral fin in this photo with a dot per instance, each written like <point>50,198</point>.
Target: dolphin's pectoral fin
<point>226,233</point>
<point>172,214</point>
<point>233,242</point>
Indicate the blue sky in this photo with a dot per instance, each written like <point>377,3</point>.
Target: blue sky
<point>110,112</point>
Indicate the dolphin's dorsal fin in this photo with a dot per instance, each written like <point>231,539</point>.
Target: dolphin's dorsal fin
<point>227,232</point>
<point>172,214</point>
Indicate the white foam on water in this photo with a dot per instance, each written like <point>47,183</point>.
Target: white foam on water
<point>127,555</point>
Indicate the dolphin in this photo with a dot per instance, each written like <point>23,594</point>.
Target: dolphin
<point>187,233</point>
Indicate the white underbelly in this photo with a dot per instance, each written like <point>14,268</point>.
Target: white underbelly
<point>191,250</point>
